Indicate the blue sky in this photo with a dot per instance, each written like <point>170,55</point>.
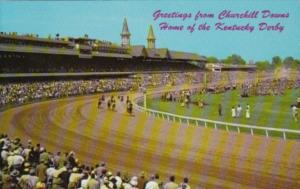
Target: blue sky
<point>103,20</point>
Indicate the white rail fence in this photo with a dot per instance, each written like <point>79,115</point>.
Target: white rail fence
<point>215,124</point>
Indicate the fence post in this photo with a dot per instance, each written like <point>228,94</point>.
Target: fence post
<point>205,124</point>
<point>180,120</point>
<point>267,134</point>
<point>168,118</point>
<point>251,131</point>
<point>197,123</point>
<point>188,121</point>
<point>216,126</point>
<point>238,128</point>
<point>284,136</point>
<point>227,128</point>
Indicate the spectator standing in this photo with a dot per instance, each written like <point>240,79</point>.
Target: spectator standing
<point>248,111</point>
<point>295,113</point>
<point>220,109</point>
<point>185,184</point>
<point>171,184</point>
<point>152,184</point>
<point>233,112</point>
<point>239,111</point>
<point>142,181</point>
<point>41,171</point>
<point>92,183</point>
<point>32,179</point>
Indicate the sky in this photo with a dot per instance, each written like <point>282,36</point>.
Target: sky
<point>103,20</point>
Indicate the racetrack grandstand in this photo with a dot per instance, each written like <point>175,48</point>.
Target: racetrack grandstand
<point>32,54</point>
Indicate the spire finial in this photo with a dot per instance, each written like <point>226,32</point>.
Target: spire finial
<point>125,30</point>
<point>125,35</point>
<point>151,33</point>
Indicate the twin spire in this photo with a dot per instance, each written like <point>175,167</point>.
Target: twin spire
<point>151,38</point>
<point>125,36</point>
<point>125,30</point>
<point>151,33</point>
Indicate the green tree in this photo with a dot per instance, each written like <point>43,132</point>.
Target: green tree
<point>276,62</point>
<point>212,59</point>
<point>288,62</point>
<point>234,59</point>
<point>296,64</point>
<point>262,65</point>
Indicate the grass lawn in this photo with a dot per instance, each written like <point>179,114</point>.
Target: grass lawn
<point>266,111</point>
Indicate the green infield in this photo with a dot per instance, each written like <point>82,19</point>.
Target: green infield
<point>265,111</point>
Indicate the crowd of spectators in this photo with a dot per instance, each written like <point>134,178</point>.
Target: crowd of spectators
<point>20,93</point>
<point>171,79</point>
<point>265,87</point>
<point>31,166</point>
<point>75,67</point>
<point>217,82</point>
<point>252,83</point>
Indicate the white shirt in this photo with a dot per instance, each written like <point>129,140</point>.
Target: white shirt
<point>294,109</point>
<point>152,185</point>
<point>25,152</point>
<point>171,185</point>
<point>233,112</point>
<point>119,181</point>
<point>10,160</point>
<point>50,171</point>
<point>4,154</point>
<point>84,183</point>
<point>17,160</point>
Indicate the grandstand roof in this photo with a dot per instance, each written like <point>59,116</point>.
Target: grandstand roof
<point>157,53</point>
<point>138,50</point>
<point>185,56</point>
<point>29,38</point>
<point>36,49</point>
<point>163,53</point>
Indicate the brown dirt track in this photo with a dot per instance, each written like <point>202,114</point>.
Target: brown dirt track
<point>210,158</point>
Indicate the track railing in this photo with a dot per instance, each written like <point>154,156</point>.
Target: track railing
<point>266,131</point>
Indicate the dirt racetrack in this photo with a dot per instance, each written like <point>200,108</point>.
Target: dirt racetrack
<point>210,158</point>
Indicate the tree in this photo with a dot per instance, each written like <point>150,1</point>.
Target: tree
<point>276,62</point>
<point>212,59</point>
<point>262,65</point>
<point>57,36</point>
<point>296,64</point>
<point>288,62</point>
<point>234,59</point>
